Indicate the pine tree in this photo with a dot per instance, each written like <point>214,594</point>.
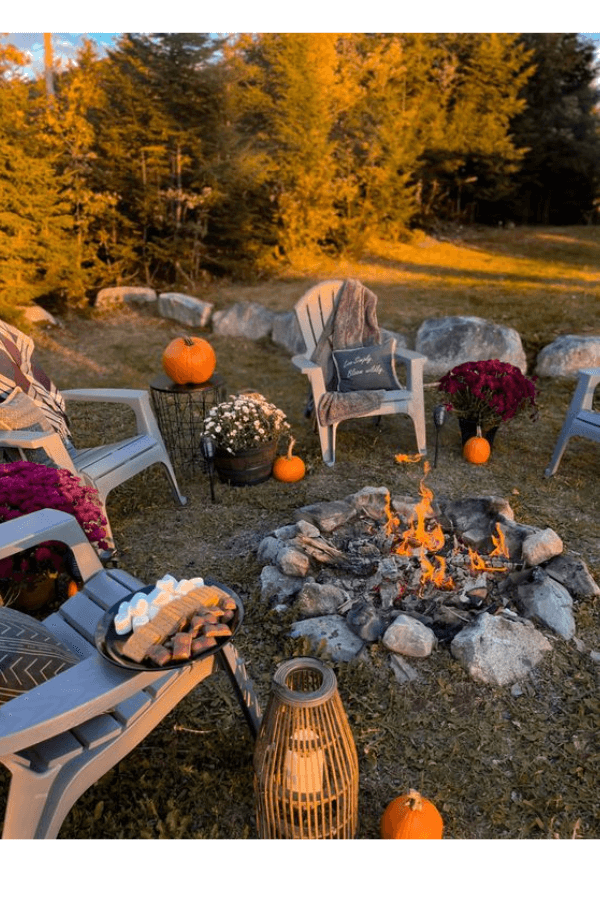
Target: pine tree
<point>36,243</point>
<point>559,130</point>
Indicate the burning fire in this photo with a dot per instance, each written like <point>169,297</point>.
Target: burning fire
<point>408,457</point>
<point>424,536</point>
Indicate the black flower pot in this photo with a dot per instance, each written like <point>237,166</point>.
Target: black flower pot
<point>468,429</point>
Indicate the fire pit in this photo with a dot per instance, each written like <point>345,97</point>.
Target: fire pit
<point>418,575</point>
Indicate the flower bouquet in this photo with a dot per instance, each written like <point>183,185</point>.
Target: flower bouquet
<point>244,422</point>
<point>26,487</point>
<point>488,392</point>
<point>245,429</point>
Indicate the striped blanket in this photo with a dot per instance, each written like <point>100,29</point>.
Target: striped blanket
<point>18,369</point>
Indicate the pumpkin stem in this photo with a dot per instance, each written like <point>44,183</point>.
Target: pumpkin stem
<point>187,340</point>
<point>479,434</point>
<point>415,801</point>
<point>291,447</point>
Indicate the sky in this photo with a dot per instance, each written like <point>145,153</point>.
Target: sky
<point>65,44</point>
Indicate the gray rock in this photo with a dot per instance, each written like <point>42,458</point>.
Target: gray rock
<point>275,587</point>
<point>38,315</point>
<point>452,340</point>
<point>269,549</point>
<point>245,320</point>
<point>497,650</point>
<point>330,633</point>
<point>372,502</point>
<point>319,599</point>
<point>293,562</point>
<point>401,340</point>
<point>117,296</point>
<point>567,354</point>
<point>409,637</point>
<point>326,516</point>
<point>286,333</point>
<point>572,573</point>
<point>549,602</point>
<point>403,671</point>
<point>541,546</point>
<point>185,309</point>
<point>366,622</point>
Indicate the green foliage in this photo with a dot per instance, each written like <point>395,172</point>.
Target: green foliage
<point>180,156</point>
<point>559,180</point>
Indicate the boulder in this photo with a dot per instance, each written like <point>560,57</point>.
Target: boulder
<point>286,333</point>
<point>549,602</point>
<point>185,309</point>
<point>567,354</point>
<point>37,315</point>
<point>452,340</point>
<point>540,546</point>
<point>244,319</point>
<point>330,633</point>
<point>117,296</point>
<point>409,637</point>
<point>319,599</point>
<point>496,650</point>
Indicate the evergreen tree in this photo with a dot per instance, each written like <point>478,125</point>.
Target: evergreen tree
<point>36,244</point>
<point>559,130</point>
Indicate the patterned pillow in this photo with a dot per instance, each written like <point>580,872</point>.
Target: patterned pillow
<point>19,368</point>
<point>367,368</point>
<point>19,412</point>
<point>29,654</point>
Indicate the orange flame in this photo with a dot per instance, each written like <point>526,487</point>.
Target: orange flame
<point>418,534</point>
<point>408,457</point>
<point>438,576</point>
<point>500,546</point>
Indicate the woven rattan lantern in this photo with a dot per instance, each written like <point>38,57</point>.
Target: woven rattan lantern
<point>305,762</point>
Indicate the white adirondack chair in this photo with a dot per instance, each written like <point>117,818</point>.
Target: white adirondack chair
<point>313,312</point>
<point>581,420</point>
<point>60,737</point>
<point>106,466</point>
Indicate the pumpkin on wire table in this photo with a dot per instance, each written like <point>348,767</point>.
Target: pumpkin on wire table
<point>189,360</point>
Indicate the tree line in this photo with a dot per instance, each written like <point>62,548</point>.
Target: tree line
<point>180,154</point>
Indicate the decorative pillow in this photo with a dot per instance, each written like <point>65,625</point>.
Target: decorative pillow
<point>29,654</point>
<point>18,412</point>
<point>367,368</point>
<point>19,368</point>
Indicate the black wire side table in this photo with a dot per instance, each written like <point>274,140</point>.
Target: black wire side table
<point>180,412</point>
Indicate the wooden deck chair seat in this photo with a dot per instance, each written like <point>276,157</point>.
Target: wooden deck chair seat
<point>314,312</point>
<point>59,737</point>
<point>581,419</point>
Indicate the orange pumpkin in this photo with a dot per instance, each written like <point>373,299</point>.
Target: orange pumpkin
<point>289,468</point>
<point>72,588</point>
<point>189,360</point>
<point>411,816</point>
<point>477,450</point>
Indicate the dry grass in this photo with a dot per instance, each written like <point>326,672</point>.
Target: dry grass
<point>496,766</point>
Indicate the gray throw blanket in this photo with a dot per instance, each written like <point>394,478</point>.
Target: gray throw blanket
<point>353,324</point>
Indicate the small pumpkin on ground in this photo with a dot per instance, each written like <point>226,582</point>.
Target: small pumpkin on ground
<point>411,816</point>
<point>477,449</point>
<point>289,468</point>
<point>189,360</point>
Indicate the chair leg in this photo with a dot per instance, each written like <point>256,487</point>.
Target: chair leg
<point>327,434</point>
<point>559,449</point>
<point>174,485</point>
<point>418,418</point>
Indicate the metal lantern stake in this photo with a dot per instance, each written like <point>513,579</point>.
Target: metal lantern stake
<point>209,449</point>
<point>439,417</point>
<point>305,761</point>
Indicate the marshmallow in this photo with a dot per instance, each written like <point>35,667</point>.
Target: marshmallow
<point>139,605</point>
<point>138,621</point>
<point>123,619</point>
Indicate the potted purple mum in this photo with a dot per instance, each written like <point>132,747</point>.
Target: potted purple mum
<point>486,393</point>
<point>28,579</point>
